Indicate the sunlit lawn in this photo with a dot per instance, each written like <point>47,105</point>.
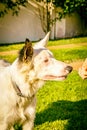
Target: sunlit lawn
<point>61,105</point>
<point>68,41</point>
<point>17,46</point>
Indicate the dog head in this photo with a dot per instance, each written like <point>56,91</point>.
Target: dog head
<point>45,66</point>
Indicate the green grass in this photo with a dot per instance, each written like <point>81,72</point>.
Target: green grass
<point>70,55</point>
<point>18,46</point>
<point>10,47</point>
<point>61,105</point>
<point>67,55</point>
<point>9,58</point>
<point>68,41</point>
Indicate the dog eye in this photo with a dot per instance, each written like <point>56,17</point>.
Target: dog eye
<point>46,60</point>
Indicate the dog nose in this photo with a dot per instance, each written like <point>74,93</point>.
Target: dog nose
<point>69,68</point>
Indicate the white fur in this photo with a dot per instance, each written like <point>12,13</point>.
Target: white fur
<point>29,77</point>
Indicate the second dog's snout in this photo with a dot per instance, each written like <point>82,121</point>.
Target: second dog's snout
<point>69,68</point>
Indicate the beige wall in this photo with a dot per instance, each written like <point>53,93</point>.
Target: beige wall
<point>73,25</point>
<point>30,23</point>
<point>17,28</point>
<point>70,26</point>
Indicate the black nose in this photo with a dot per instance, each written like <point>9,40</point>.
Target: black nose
<point>69,68</point>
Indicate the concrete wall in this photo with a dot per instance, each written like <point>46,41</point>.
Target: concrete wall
<point>30,23</point>
<point>70,26</point>
<point>26,25</point>
<point>73,26</point>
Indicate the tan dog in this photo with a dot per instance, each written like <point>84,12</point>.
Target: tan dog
<point>20,81</point>
<point>83,70</point>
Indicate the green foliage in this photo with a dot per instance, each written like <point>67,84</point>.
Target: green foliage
<point>70,6</point>
<point>13,5</point>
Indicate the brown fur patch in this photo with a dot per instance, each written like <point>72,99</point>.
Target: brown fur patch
<point>26,53</point>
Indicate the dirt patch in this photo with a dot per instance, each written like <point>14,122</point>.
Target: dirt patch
<point>8,52</point>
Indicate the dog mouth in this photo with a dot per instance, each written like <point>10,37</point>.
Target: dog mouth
<point>52,77</point>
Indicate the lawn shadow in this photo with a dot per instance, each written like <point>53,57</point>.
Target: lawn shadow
<point>75,112</point>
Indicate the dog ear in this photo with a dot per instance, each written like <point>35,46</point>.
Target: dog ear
<point>26,52</point>
<point>43,42</point>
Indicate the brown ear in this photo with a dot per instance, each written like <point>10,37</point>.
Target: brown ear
<point>27,52</point>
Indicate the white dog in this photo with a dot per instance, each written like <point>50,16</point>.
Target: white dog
<point>20,81</point>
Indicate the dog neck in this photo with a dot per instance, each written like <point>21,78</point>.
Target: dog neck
<point>28,85</point>
<point>18,91</point>
<point>20,94</point>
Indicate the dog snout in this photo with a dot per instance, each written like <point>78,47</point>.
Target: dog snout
<point>69,68</point>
